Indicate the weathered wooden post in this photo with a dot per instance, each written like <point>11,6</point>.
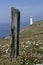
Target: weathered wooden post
<point>15,26</point>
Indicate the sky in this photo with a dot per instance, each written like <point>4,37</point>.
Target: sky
<point>27,8</point>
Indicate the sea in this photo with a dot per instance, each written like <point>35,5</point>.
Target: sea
<point>5,28</point>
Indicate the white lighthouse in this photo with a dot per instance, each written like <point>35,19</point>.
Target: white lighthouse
<point>31,20</point>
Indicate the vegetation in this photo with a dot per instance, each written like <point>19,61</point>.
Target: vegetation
<point>30,47</point>
<point>30,53</point>
<point>33,32</point>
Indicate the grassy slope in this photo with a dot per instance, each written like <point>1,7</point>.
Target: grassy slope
<point>33,32</point>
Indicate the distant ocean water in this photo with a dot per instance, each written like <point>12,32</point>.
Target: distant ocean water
<point>5,28</point>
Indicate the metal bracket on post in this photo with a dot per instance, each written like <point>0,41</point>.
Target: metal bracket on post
<point>15,26</point>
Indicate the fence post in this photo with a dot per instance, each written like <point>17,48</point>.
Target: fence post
<point>15,27</point>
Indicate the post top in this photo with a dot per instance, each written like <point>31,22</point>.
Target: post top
<point>15,10</point>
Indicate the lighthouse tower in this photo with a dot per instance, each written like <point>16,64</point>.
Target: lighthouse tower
<point>31,20</point>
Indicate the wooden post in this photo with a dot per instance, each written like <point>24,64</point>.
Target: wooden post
<point>15,26</point>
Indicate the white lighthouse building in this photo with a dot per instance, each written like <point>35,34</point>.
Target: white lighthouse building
<point>31,20</point>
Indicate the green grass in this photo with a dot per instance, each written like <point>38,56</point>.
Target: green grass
<point>33,32</point>
<point>27,50</point>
